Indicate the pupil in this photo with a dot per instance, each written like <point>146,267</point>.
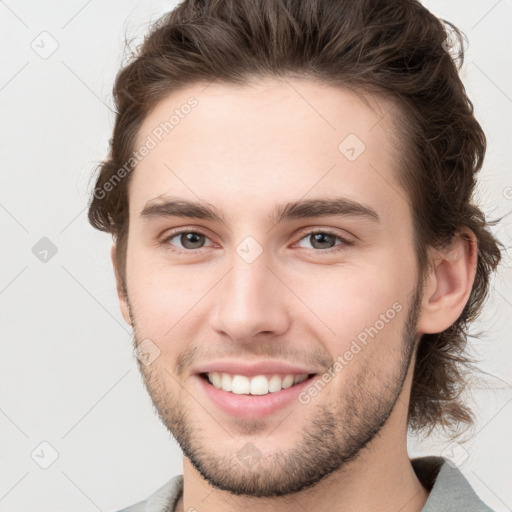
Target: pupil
<point>193,239</point>
<point>321,238</point>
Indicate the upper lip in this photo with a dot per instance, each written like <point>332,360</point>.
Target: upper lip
<point>253,369</point>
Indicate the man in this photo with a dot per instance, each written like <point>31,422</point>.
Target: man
<point>296,248</point>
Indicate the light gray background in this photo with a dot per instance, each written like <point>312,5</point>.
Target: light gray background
<point>68,376</point>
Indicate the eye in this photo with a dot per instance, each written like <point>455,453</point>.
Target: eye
<point>322,240</point>
<point>189,240</point>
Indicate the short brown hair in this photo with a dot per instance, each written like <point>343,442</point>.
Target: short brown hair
<point>396,49</point>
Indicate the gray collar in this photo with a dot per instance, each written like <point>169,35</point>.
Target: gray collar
<point>449,490</point>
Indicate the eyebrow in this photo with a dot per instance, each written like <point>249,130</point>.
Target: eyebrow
<point>301,209</point>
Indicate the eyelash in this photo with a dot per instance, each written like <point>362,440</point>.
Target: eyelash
<point>345,243</point>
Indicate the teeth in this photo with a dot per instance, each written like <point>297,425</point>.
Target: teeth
<point>300,378</point>
<point>274,384</point>
<point>225,382</point>
<point>240,385</point>
<point>258,385</point>
<point>287,382</point>
<point>215,380</point>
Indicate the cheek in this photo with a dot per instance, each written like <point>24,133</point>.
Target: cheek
<point>165,297</point>
<point>365,303</point>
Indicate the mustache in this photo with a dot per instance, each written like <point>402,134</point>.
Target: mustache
<point>250,352</point>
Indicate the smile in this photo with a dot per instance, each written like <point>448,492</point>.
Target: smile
<point>257,385</point>
<point>238,398</point>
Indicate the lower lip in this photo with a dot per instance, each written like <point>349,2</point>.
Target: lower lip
<point>252,406</point>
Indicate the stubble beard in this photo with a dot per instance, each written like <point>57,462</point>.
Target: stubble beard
<point>334,436</point>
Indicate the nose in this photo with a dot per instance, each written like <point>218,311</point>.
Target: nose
<point>250,302</point>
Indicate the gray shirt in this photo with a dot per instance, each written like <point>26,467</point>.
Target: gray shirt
<point>449,490</point>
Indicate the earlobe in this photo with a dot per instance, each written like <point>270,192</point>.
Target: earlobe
<point>449,284</point>
<point>123,301</point>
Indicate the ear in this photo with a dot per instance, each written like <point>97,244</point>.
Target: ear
<point>123,301</point>
<point>448,285</point>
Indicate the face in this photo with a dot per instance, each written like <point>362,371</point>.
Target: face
<point>301,253</point>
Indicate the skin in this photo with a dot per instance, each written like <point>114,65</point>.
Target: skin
<point>244,150</point>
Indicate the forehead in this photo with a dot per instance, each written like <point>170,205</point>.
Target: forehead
<point>273,139</point>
